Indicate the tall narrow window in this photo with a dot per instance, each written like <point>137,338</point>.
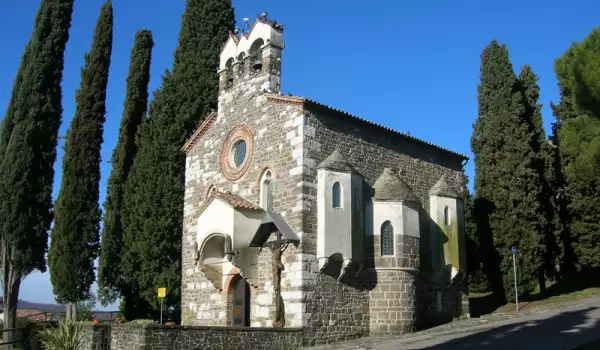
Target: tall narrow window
<point>336,195</point>
<point>266,191</point>
<point>387,239</point>
<point>446,216</point>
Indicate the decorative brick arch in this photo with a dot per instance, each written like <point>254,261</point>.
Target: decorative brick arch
<point>233,274</point>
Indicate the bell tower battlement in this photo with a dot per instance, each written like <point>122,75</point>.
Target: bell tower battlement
<point>253,57</point>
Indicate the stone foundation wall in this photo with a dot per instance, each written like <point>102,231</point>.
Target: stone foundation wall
<point>156,337</point>
<point>335,311</point>
<point>393,302</point>
<point>95,336</point>
<point>454,304</point>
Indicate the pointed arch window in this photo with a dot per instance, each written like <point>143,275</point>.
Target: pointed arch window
<point>336,195</point>
<point>266,191</point>
<point>387,239</point>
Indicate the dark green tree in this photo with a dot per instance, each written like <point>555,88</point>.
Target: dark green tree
<point>561,220</point>
<point>507,185</point>
<point>75,233</point>
<point>153,201</point>
<point>578,131</point>
<point>134,112</point>
<point>28,151</point>
<point>539,162</point>
<point>478,281</point>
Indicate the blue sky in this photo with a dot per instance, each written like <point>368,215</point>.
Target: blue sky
<point>411,65</point>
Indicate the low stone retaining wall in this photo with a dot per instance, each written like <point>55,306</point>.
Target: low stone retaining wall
<point>155,337</point>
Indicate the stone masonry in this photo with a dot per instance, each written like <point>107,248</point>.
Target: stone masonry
<point>290,136</point>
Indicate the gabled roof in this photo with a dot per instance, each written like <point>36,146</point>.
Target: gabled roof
<point>273,222</point>
<point>208,122</point>
<point>235,201</point>
<point>337,162</point>
<point>442,188</point>
<point>303,101</point>
<point>390,187</point>
<point>236,38</point>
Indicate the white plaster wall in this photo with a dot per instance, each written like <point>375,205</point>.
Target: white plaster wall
<point>260,31</point>
<point>410,220</point>
<point>334,228</point>
<point>436,211</point>
<point>357,218</point>
<point>217,217</point>
<point>383,211</point>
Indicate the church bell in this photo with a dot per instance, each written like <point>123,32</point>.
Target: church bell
<point>257,64</point>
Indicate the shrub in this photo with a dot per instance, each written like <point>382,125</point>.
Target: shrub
<point>143,322</point>
<point>67,336</point>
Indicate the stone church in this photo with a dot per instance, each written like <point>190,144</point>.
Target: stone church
<point>300,215</point>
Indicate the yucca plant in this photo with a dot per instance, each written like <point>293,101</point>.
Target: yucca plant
<point>67,336</point>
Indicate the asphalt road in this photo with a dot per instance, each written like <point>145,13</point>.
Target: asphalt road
<point>555,329</point>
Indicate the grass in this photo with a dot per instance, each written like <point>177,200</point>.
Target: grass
<point>487,303</point>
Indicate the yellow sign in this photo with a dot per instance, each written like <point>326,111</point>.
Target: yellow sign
<point>162,292</point>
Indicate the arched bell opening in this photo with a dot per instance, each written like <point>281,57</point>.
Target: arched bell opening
<point>214,260</point>
<point>255,53</point>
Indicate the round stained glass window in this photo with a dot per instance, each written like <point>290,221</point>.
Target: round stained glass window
<point>238,153</point>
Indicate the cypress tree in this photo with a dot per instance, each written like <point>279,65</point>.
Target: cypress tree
<point>75,234</point>
<point>560,219</point>
<point>540,200</point>
<point>28,151</point>
<point>153,200</point>
<point>506,183</point>
<point>135,106</point>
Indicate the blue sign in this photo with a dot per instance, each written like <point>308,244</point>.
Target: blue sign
<point>514,250</point>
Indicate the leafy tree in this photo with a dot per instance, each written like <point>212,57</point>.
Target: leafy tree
<point>135,106</point>
<point>578,144</point>
<point>507,184</point>
<point>75,234</point>
<point>28,150</point>
<point>152,214</point>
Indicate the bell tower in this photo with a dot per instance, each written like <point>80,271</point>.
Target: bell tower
<point>252,60</point>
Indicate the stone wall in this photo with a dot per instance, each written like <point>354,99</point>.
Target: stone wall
<point>370,149</point>
<point>96,336</point>
<point>277,145</point>
<point>156,337</point>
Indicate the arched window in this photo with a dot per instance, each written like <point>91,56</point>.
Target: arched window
<point>387,239</point>
<point>446,216</point>
<point>229,72</point>
<point>255,54</point>
<point>266,191</point>
<point>336,195</point>
<point>242,64</point>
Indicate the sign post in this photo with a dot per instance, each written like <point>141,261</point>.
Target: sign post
<point>514,254</point>
<point>162,292</point>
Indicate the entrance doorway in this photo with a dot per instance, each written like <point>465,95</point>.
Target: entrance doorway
<point>240,304</point>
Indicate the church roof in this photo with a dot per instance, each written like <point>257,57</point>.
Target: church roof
<point>236,201</point>
<point>337,162</point>
<point>233,200</point>
<point>442,188</point>
<point>390,187</point>
<point>208,122</point>
<point>302,101</point>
